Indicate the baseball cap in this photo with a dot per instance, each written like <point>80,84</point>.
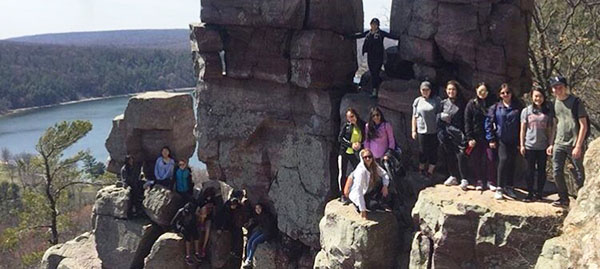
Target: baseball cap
<point>557,80</point>
<point>425,85</point>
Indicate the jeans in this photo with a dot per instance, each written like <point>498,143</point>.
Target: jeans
<point>256,238</point>
<point>343,160</point>
<point>536,163</point>
<point>559,157</point>
<point>428,145</point>
<point>507,154</point>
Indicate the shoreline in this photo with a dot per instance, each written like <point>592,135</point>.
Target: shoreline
<point>26,109</point>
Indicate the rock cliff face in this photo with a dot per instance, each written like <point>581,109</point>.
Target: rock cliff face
<point>473,41</point>
<point>578,244</point>
<point>471,230</point>
<point>269,125</point>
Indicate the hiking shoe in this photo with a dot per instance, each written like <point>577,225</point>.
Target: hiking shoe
<point>492,187</point>
<point>188,260</point>
<point>510,192</point>
<point>498,195</point>
<point>561,203</point>
<point>451,181</point>
<point>479,185</point>
<point>530,198</point>
<point>464,184</point>
<point>247,264</point>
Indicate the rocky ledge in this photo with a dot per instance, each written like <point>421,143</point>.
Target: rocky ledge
<point>458,229</point>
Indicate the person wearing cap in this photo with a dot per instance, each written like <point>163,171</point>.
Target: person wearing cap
<point>373,46</point>
<point>424,127</point>
<point>571,130</point>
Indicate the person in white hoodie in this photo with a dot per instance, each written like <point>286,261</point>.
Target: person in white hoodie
<point>366,182</point>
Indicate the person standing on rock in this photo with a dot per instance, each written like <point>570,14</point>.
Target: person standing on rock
<point>537,121</point>
<point>373,46</point>
<point>502,132</point>
<point>263,228</point>
<point>163,168</point>
<point>572,129</point>
<point>367,184</point>
<point>424,128</point>
<point>183,180</point>
<point>451,134</point>
<point>184,222</point>
<point>350,139</point>
<point>130,179</point>
<point>477,146</point>
<point>379,135</point>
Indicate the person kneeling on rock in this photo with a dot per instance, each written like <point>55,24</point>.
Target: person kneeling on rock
<point>184,223</point>
<point>368,184</point>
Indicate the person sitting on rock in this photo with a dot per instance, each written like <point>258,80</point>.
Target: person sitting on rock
<point>184,222</point>
<point>367,183</point>
<point>263,228</point>
<point>379,135</point>
<point>350,139</point>
<point>203,215</point>
<point>130,179</point>
<point>232,218</point>
<point>373,46</point>
<point>424,128</point>
<point>183,180</point>
<point>163,168</point>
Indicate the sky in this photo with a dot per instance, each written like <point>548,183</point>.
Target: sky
<point>31,17</point>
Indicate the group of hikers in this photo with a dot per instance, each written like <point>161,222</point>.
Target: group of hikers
<point>203,211</point>
<point>490,130</point>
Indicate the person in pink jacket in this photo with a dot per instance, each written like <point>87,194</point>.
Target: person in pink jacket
<point>379,134</point>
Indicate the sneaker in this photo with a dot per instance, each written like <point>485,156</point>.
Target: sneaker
<point>198,257</point>
<point>561,203</point>
<point>510,192</point>
<point>492,187</point>
<point>451,181</point>
<point>498,195</point>
<point>247,264</point>
<point>479,185</point>
<point>464,184</point>
<point>188,260</point>
<point>530,198</point>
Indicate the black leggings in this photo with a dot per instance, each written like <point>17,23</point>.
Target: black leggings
<point>428,145</point>
<point>375,69</point>
<point>507,154</point>
<point>457,162</point>
<point>343,160</point>
<point>536,162</point>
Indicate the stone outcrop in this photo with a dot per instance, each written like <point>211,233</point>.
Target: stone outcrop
<point>167,252</point>
<point>460,229</point>
<point>578,246</point>
<point>348,241</point>
<point>151,121</point>
<point>77,253</point>
<point>161,204</point>
<point>112,201</point>
<point>473,41</point>
<point>117,240</point>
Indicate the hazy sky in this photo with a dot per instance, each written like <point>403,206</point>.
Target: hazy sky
<point>30,17</point>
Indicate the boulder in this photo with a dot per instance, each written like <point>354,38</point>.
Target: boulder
<point>577,246</point>
<point>348,241</point>
<point>151,121</point>
<point>204,38</point>
<point>167,252</point>
<point>117,240</point>
<point>112,201</point>
<point>459,229</point>
<point>161,204</point>
<point>289,14</point>
<point>341,16</point>
<point>77,253</point>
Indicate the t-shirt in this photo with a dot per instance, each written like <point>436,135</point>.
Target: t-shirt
<point>566,127</point>
<point>355,137</point>
<point>538,124</point>
<point>425,111</point>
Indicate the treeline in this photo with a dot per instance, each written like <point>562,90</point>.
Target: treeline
<point>35,75</point>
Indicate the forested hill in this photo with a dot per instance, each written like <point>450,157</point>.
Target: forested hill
<point>43,74</point>
<point>176,39</point>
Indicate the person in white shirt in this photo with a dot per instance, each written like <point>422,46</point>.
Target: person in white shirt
<point>366,183</point>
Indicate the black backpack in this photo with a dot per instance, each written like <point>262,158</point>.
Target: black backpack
<point>575,112</point>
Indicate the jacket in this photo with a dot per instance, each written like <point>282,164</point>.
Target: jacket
<point>475,115</point>
<point>345,135</point>
<point>360,183</point>
<point>503,123</point>
<point>265,223</point>
<point>373,44</point>
<point>188,181</point>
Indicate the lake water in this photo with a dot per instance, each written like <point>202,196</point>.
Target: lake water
<point>20,132</point>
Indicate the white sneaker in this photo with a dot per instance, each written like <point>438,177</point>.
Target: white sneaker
<point>510,192</point>
<point>479,185</point>
<point>464,184</point>
<point>451,181</point>
<point>492,187</point>
<point>498,195</point>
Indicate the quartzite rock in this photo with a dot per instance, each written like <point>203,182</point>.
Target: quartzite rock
<point>579,244</point>
<point>77,253</point>
<point>167,252</point>
<point>161,204</point>
<point>112,201</point>
<point>254,13</point>
<point>472,230</point>
<point>341,16</point>
<point>348,241</point>
<point>117,240</point>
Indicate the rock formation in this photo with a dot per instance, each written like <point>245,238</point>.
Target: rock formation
<point>472,41</point>
<point>578,244</point>
<point>460,229</point>
<point>77,253</point>
<point>161,205</point>
<point>152,120</point>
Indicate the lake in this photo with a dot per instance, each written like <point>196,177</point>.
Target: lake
<point>20,132</point>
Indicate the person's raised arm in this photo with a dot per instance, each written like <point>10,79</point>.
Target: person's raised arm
<point>389,35</point>
<point>356,35</point>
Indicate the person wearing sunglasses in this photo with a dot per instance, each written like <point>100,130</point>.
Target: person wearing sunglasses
<point>367,186</point>
<point>379,135</point>
<point>502,127</point>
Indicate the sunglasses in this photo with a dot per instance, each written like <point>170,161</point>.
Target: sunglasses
<point>368,157</point>
<point>505,93</point>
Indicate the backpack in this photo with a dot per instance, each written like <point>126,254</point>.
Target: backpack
<point>575,112</point>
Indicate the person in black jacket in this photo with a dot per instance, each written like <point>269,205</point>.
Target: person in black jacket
<point>184,222</point>
<point>350,139</point>
<point>232,218</point>
<point>373,46</point>
<point>265,228</point>
<point>130,178</point>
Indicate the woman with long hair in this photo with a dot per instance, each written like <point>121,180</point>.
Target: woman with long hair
<point>502,132</point>
<point>424,128</point>
<point>264,227</point>
<point>366,183</point>
<point>537,122</point>
<point>164,167</point>
<point>350,139</point>
<point>379,134</point>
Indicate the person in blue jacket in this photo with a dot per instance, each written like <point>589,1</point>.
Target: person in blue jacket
<point>502,128</point>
